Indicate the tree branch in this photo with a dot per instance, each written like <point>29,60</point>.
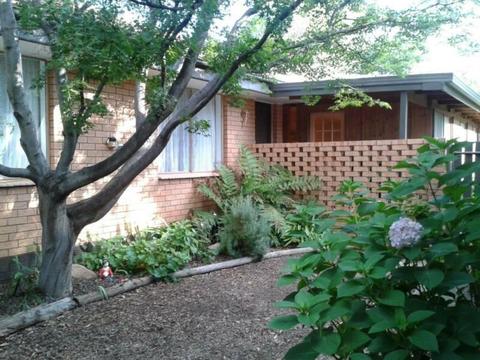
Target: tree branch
<point>86,210</point>
<point>158,5</point>
<point>17,173</point>
<point>92,173</point>
<point>16,93</point>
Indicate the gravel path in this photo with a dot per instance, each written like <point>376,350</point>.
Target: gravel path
<point>222,315</point>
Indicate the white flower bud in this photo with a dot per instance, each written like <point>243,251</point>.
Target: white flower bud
<point>404,232</point>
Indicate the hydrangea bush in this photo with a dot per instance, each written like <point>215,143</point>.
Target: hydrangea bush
<point>394,279</point>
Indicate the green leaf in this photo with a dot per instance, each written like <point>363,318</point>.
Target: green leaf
<point>382,343</point>
<point>373,259</point>
<point>350,265</point>
<point>448,355</point>
<point>419,315</point>
<point>429,278</point>
<point>424,340</point>
<point>353,339</point>
<point>393,298</point>
<point>442,249</point>
<point>359,356</point>
<point>367,208</point>
<point>286,280</point>
<point>283,322</point>
<point>350,288</point>
<point>412,253</point>
<point>337,310</point>
<point>396,355</point>
<point>378,272</point>
<point>326,344</point>
<point>302,351</point>
<point>285,305</point>
<point>381,326</point>
<point>306,300</point>
<point>408,187</point>
<point>454,279</point>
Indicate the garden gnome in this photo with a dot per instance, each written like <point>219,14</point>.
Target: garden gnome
<point>105,271</point>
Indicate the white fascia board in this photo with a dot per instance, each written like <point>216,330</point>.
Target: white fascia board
<point>32,49</point>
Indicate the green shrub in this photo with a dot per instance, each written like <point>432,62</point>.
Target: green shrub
<point>272,189</point>
<point>397,279</point>
<point>306,223</point>
<point>266,184</point>
<point>245,232</point>
<point>24,283</point>
<point>157,251</point>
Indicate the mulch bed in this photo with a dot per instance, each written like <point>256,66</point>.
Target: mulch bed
<point>221,315</point>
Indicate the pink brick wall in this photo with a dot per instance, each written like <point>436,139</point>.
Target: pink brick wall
<point>148,201</point>
<point>369,162</point>
<point>238,130</point>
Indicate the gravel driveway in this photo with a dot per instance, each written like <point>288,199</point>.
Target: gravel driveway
<point>222,315</point>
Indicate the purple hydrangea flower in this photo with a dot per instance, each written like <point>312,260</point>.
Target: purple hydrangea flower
<point>404,233</point>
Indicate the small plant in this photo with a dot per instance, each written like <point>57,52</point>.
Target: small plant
<point>398,279</point>
<point>245,231</point>
<point>24,282</point>
<point>157,251</point>
<point>306,223</point>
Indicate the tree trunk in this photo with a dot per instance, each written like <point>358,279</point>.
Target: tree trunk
<point>58,240</point>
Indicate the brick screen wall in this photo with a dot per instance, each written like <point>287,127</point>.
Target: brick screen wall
<point>367,161</point>
<point>148,201</point>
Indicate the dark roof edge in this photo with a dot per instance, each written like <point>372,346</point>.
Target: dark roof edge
<point>446,82</point>
<point>464,93</point>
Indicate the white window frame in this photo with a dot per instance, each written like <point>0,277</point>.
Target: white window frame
<point>44,128</point>
<point>218,148</point>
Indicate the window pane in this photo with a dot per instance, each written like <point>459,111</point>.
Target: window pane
<point>186,152</point>
<point>174,157</point>
<point>11,152</point>
<point>203,154</point>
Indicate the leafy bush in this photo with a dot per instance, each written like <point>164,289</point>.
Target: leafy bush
<point>266,184</point>
<point>306,223</point>
<point>397,279</point>
<point>157,251</point>
<point>245,231</point>
<point>272,190</point>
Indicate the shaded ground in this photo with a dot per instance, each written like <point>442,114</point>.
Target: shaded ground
<point>222,315</point>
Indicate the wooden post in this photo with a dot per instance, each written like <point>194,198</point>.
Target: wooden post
<point>403,125</point>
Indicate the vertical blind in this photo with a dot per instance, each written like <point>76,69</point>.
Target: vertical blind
<point>11,152</point>
<point>187,152</point>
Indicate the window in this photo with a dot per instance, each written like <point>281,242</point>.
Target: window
<point>11,152</point>
<point>187,152</point>
<point>263,123</point>
<point>327,126</point>
<point>438,124</point>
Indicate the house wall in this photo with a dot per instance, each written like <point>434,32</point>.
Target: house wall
<point>277,123</point>
<point>365,123</point>
<point>369,162</point>
<point>148,201</point>
<point>453,125</point>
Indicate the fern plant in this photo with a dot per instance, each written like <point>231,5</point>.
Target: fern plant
<point>271,188</point>
<point>265,184</point>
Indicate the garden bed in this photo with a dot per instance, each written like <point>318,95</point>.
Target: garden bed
<point>222,315</point>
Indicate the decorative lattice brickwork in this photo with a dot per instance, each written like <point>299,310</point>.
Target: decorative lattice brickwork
<point>369,162</point>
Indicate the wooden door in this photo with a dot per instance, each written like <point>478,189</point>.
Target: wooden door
<point>327,126</point>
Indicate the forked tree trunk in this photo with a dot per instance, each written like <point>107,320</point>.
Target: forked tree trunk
<point>58,240</point>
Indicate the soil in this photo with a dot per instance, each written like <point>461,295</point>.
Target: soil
<point>221,315</point>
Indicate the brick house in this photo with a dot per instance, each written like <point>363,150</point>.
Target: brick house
<point>305,139</point>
